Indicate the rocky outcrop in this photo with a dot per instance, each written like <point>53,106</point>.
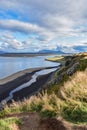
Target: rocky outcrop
<point>59,78</point>
<point>72,69</point>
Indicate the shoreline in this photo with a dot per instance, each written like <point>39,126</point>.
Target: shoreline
<point>11,82</point>
<point>18,74</point>
<point>33,89</point>
<point>23,72</point>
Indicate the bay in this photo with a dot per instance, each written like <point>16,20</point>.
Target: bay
<point>11,65</point>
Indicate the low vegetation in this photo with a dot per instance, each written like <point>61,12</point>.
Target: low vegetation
<point>67,99</point>
<point>62,72</point>
<point>60,59</point>
<point>7,124</point>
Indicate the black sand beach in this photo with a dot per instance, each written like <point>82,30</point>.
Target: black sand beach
<point>19,78</point>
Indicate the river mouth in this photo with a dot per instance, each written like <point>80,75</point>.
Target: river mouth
<point>28,84</point>
<point>23,80</point>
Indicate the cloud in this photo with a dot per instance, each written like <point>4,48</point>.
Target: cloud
<point>58,16</point>
<point>50,21</point>
<point>16,25</point>
<point>9,41</point>
<point>37,10</point>
<point>27,28</point>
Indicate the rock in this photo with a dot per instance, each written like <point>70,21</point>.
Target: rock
<point>72,69</point>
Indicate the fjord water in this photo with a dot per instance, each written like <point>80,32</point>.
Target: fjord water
<point>11,65</point>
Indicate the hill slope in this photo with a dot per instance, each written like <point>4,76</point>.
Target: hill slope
<point>62,106</point>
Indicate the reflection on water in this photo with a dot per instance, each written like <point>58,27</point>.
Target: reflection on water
<point>10,65</point>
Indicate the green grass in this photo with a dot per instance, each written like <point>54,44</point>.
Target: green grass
<point>75,112</point>
<point>6,124</point>
<point>67,99</point>
<point>83,64</point>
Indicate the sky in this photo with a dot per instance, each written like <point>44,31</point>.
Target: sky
<point>35,25</point>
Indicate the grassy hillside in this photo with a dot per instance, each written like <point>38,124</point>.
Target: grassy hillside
<point>65,95</point>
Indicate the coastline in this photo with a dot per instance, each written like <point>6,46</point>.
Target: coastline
<point>24,54</point>
<point>18,74</point>
<point>33,89</point>
<point>11,82</point>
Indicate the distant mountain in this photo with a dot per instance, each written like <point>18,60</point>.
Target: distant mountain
<point>51,51</point>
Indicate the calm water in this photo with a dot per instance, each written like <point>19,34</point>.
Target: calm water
<point>10,65</point>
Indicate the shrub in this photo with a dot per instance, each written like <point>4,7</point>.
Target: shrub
<point>5,124</point>
<point>75,112</point>
<point>67,62</point>
<point>48,113</point>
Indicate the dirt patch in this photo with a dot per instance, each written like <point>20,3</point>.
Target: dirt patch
<point>55,124</point>
<point>33,121</point>
<point>15,127</point>
<point>30,122</point>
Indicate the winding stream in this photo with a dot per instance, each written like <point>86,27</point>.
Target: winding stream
<point>27,84</point>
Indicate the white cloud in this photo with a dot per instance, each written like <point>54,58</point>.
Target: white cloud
<point>8,41</point>
<point>48,19</point>
<point>16,25</point>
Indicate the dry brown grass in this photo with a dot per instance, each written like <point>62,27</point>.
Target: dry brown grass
<point>71,102</point>
<point>76,88</point>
